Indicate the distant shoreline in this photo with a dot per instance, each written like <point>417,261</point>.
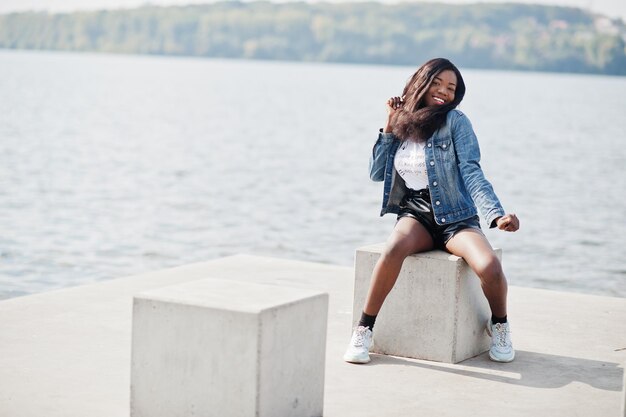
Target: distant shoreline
<point>515,37</point>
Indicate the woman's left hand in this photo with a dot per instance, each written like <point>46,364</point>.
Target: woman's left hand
<point>508,222</point>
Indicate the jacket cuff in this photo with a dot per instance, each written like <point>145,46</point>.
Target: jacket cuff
<point>494,217</point>
<point>385,137</point>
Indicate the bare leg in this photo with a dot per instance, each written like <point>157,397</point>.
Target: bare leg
<point>473,246</point>
<point>408,237</point>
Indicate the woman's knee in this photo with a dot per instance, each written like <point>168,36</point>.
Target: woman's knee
<point>490,270</point>
<point>395,251</point>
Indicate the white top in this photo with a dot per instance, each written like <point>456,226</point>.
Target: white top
<point>411,164</point>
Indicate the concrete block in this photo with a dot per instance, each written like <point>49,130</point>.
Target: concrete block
<point>436,310</point>
<point>226,348</point>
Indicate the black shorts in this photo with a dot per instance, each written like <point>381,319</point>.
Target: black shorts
<point>416,204</point>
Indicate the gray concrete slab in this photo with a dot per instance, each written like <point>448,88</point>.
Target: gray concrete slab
<point>66,353</point>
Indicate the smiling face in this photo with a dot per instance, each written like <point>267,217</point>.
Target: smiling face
<point>442,89</point>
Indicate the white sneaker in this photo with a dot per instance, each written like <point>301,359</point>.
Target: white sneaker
<point>359,348</point>
<point>501,347</point>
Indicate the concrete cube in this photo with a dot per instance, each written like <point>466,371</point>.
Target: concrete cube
<point>227,348</point>
<point>436,310</point>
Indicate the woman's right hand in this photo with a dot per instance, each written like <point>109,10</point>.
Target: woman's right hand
<point>393,104</point>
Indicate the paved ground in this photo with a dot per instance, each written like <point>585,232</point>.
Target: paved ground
<point>67,353</point>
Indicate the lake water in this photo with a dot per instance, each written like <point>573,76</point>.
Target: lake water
<point>115,165</point>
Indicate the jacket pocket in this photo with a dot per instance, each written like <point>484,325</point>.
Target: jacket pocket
<point>444,151</point>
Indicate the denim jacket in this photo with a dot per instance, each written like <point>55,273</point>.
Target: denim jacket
<point>455,179</point>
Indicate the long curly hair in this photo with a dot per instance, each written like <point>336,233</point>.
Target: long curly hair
<point>415,120</point>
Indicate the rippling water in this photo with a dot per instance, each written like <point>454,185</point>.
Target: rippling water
<point>114,165</point>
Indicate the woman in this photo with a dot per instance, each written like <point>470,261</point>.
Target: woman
<point>428,157</point>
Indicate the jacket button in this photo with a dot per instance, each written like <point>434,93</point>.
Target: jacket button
<point>437,202</point>
<point>430,144</point>
<point>443,220</point>
<point>435,183</point>
<point>444,146</point>
<point>432,163</point>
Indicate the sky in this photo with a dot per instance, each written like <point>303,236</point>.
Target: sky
<point>611,8</point>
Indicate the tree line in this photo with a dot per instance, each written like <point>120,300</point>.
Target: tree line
<point>492,36</point>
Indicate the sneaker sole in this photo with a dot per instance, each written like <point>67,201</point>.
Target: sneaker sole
<point>355,360</point>
<point>493,358</point>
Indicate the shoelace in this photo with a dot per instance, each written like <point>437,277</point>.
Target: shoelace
<point>501,333</point>
<point>359,337</point>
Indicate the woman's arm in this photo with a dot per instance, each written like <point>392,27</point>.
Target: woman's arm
<point>468,159</point>
<point>378,159</point>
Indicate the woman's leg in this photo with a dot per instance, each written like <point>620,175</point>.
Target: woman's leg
<point>473,246</point>
<point>408,237</point>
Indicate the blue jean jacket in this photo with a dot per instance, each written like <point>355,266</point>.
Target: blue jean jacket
<point>455,179</point>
